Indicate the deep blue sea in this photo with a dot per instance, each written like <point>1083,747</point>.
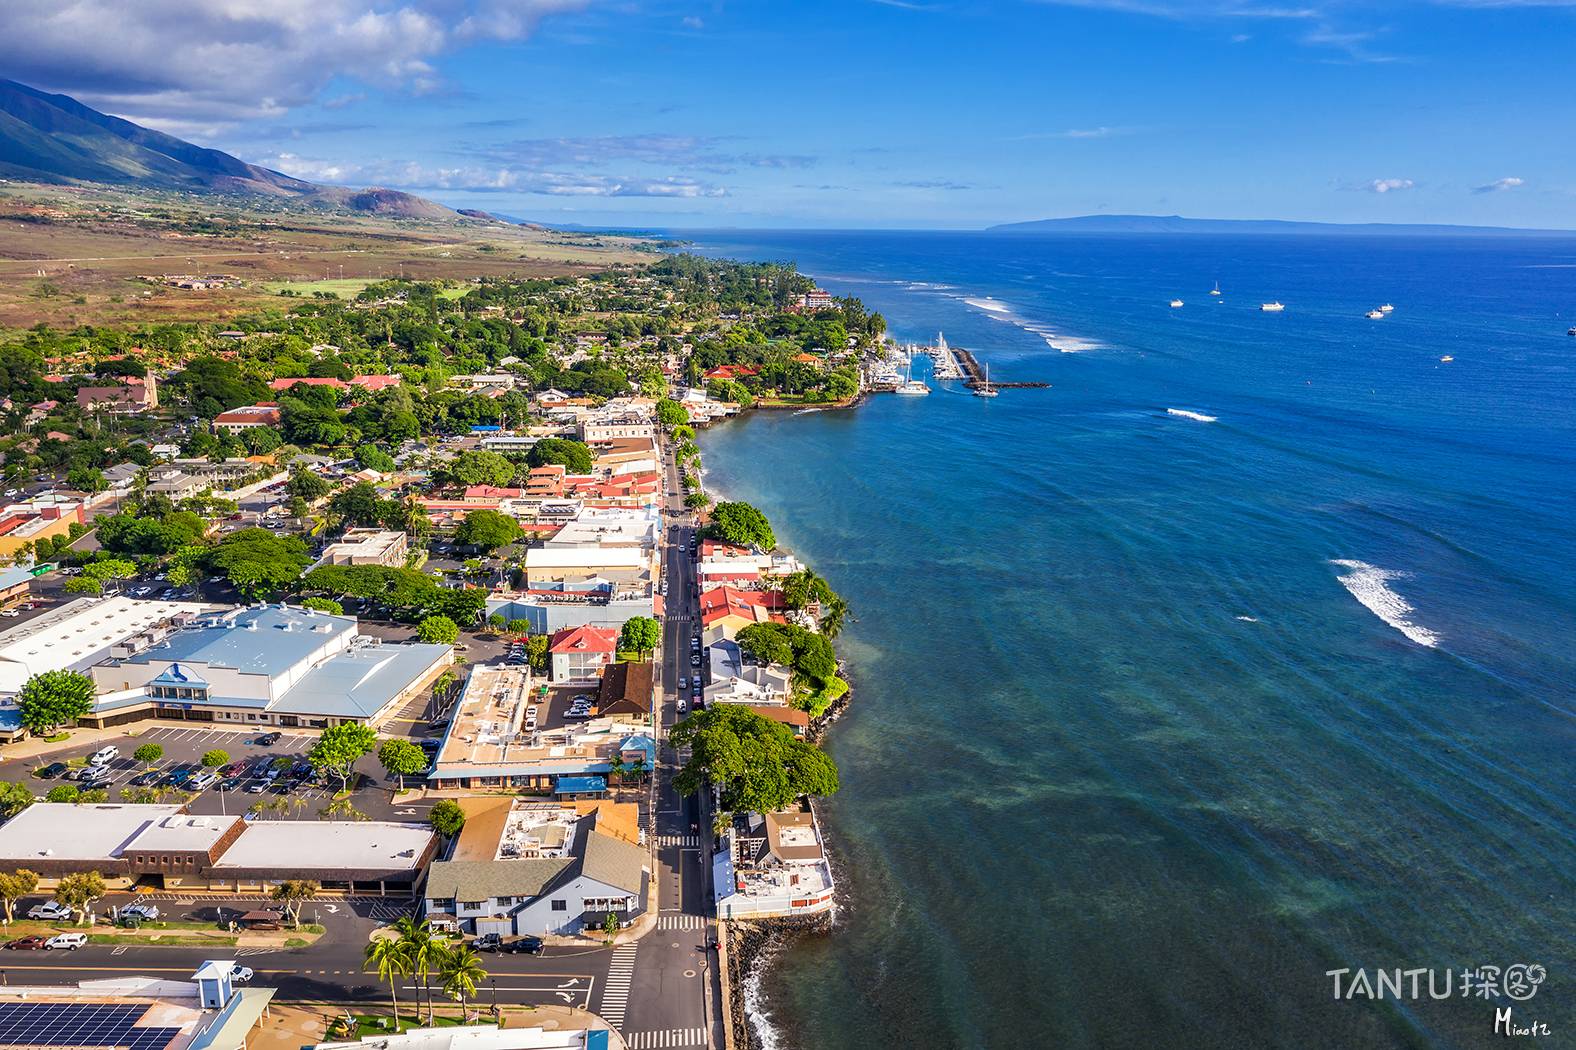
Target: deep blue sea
<point>1157,717</point>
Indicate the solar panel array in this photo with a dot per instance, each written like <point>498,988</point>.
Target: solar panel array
<point>80,1025</point>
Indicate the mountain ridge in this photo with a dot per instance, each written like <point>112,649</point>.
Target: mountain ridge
<point>53,138</point>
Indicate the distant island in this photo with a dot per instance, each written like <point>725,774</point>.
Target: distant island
<point>1167,224</point>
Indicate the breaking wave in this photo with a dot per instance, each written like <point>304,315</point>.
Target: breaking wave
<point>1370,585</point>
<point>1185,414</point>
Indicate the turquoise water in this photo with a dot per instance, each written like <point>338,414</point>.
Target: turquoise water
<point>1159,719</point>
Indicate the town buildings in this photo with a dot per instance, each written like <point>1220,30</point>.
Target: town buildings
<point>578,654</point>
<point>133,394</point>
<point>367,547</point>
<point>164,847</point>
<point>265,665</point>
<point>772,865</point>
<point>248,417</point>
<point>525,867</point>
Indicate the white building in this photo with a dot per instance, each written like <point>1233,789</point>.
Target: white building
<point>367,547</point>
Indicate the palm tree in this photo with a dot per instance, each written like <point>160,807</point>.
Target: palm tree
<point>834,612</point>
<point>460,971</point>
<point>390,958</point>
<point>421,952</point>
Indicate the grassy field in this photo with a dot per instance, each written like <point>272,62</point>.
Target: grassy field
<point>342,287</point>
<point>77,255</point>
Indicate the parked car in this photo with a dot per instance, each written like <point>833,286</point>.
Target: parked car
<point>683,683</point>
<point>49,911</point>
<point>8,613</point>
<point>527,945</point>
<point>488,942</point>
<point>95,777</point>
<point>694,659</point>
<point>234,769</point>
<point>257,787</point>
<point>27,944</point>
<point>51,771</point>
<point>66,941</point>
<point>228,784</point>
<point>201,781</point>
<point>175,777</point>
<point>269,739</point>
<point>145,911</point>
<point>145,779</point>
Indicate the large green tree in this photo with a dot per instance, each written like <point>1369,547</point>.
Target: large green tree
<point>480,467</point>
<point>400,758</point>
<point>757,764</point>
<point>487,529</point>
<point>438,630</point>
<point>258,562</point>
<point>575,456</point>
<point>640,634</point>
<point>739,523</point>
<point>339,747</point>
<point>51,699</point>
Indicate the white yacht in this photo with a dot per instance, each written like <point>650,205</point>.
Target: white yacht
<point>1386,308</point>
<point>1375,315</point>
<point>1176,304</point>
<point>1272,308</point>
<point>910,386</point>
<point>984,389</point>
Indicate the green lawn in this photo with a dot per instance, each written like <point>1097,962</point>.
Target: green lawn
<point>345,288</point>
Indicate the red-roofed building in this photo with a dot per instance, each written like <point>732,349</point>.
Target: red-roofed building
<point>133,394</point>
<point>579,654</point>
<point>375,383</point>
<point>491,494</point>
<point>546,481</point>
<point>733,609</point>
<point>732,372</point>
<point>286,384</point>
<point>248,417</point>
<point>797,721</point>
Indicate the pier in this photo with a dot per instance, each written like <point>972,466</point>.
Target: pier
<point>974,375</point>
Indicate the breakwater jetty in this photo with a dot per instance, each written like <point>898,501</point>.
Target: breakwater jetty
<point>974,375</point>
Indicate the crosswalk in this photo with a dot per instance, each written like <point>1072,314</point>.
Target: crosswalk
<point>678,840</point>
<point>681,922</point>
<point>615,990</point>
<point>669,1037</point>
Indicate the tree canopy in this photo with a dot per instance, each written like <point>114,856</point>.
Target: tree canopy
<point>51,699</point>
<point>757,764</point>
<point>338,748</point>
<point>487,529</point>
<point>258,562</point>
<point>640,634</point>
<point>575,456</point>
<point>741,524</point>
<point>438,630</point>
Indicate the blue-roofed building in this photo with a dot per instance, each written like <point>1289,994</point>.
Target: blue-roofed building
<point>269,665</point>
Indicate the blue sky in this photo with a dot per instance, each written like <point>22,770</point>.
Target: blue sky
<point>856,113</point>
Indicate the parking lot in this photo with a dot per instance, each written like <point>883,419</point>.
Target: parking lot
<point>277,775</point>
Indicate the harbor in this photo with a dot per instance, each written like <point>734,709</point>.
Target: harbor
<point>893,373</point>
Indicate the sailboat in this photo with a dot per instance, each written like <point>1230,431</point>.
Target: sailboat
<point>984,389</point>
<point>911,386</point>
<point>1215,290</point>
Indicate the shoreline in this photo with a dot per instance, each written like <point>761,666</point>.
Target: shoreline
<point>754,945</point>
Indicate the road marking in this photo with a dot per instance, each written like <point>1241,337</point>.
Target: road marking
<point>682,922</point>
<point>678,840</point>
<point>669,1037</point>
<point>615,990</point>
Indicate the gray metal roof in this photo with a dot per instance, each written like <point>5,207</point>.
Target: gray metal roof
<point>357,683</point>
<point>267,640</point>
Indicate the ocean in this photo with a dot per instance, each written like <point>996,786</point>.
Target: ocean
<point>1244,653</point>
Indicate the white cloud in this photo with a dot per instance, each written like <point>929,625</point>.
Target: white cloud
<point>409,175</point>
<point>1388,185</point>
<point>181,65</point>
<point>1500,185</point>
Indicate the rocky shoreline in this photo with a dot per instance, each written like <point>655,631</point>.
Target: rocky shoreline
<point>752,944</point>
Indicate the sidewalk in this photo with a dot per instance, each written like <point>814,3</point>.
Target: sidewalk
<point>290,1027</point>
